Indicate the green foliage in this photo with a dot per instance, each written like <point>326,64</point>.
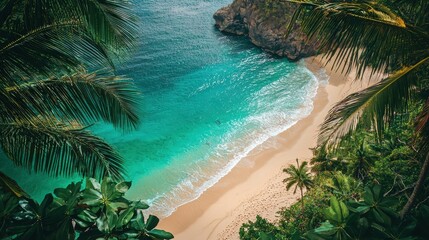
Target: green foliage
<point>397,171</point>
<point>343,187</point>
<point>296,220</point>
<point>298,176</point>
<point>47,97</point>
<point>99,211</point>
<point>381,36</point>
<point>323,161</point>
<point>261,229</point>
<point>372,217</point>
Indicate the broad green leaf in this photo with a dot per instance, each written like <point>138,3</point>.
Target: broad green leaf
<point>326,228</point>
<point>131,234</point>
<point>125,217</point>
<point>151,222</point>
<point>45,204</point>
<point>91,197</point>
<point>63,193</point>
<point>160,234</point>
<point>81,223</point>
<point>65,231</point>
<point>108,189</point>
<point>91,183</point>
<point>56,215</point>
<point>87,216</point>
<point>376,189</point>
<point>123,187</point>
<point>138,222</point>
<point>368,196</point>
<point>105,186</point>
<point>329,214</point>
<point>379,228</point>
<point>362,209</point>
<point>337,211</point>
<point>115,206</point>
<point>377,216</point>
<point>140,205</point>
<point>112,219</point>
<point>8,203</point>
<point>344,211</point>
<point>102,223</point>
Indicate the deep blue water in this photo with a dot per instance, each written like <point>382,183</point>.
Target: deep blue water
<point>208,100</point>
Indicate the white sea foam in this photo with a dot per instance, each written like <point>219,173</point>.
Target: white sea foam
<point>203,177</point>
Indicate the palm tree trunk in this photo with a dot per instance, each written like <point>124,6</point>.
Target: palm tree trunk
<point>302,199</point>
<point>422,176</point>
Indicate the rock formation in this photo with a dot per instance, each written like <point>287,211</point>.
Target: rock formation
<point>265,22</point>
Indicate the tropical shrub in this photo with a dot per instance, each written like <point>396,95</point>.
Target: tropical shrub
<point>375,216</point>
<point>260,229</point>
<point>388,37</point>
<point>99,211</point>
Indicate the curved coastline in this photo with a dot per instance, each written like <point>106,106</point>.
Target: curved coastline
<point>254,186</point>
<point>257,145</point>
<point>219,207</point>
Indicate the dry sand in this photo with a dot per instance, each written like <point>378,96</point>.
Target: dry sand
<point>254,186</point>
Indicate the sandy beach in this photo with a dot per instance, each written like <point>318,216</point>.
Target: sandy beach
<point>254,186</point>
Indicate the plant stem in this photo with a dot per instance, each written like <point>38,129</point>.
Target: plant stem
<point>411,201</point>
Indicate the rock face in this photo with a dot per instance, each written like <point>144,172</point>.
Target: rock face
<point>265,22</point>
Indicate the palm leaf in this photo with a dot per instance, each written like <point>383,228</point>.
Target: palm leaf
<point>10,185</point>
<point>298,176</point>
<point>110,22</point>
<point>59,150</point>
<point>415,11</point>
<point>362,34</point>
<point>378,103</point>
<point>81,97</point>
<point>47,51</point>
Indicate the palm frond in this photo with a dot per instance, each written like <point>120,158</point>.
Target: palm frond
<point>362,34</point>
<point>290,184</point>
<point>6,8</point>
<point>415,11</point>
<point>11,186</point>
<point>59,150</point>
<point>378,102</point>
<point>109,22</point>
<point>48,51</point>
<point>82,97</point>
<point>298,176</point>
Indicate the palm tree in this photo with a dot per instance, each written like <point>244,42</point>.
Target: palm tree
<point>300,177</point>
<point>391,38</point>
<point>361,160</point>
<point>47,96</point>
<point>322,161</point>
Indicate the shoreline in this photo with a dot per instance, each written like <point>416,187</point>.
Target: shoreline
<point>254,186</point>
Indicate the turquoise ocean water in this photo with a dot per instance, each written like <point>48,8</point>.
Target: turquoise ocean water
<point>208,100</point>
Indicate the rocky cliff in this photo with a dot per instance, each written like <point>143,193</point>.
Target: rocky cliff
<point>265,22</point>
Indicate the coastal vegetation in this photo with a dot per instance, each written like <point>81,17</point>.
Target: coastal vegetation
<point>298,177</point>
<point>58,77</point>
<point>99,211</point>
<point>372,157</point>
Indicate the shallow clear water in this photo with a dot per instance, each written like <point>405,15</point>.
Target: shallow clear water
<point>208,100</point>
